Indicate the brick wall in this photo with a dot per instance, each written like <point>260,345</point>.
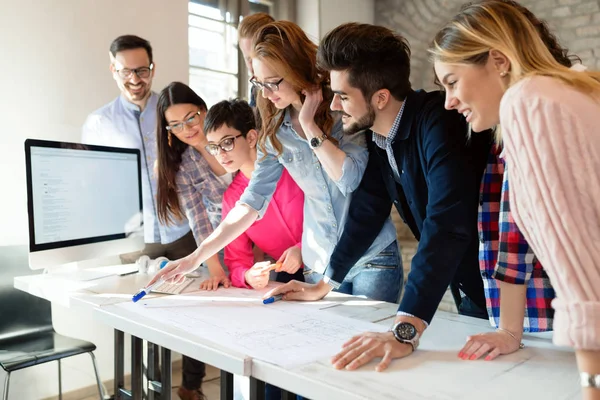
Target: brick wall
<point>576,23</point>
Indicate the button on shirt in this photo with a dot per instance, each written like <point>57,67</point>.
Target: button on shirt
<point>326,201</point>
<point>121,124</point>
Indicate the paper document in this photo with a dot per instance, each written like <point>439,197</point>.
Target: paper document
<point>282,333</point>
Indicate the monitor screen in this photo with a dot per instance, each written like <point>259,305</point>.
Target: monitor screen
<point>81,194</point>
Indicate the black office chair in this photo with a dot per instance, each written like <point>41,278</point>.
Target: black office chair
<point>27,337</point>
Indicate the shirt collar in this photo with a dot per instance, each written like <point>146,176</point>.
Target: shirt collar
<point>383,141</point>
<point>152,101</point>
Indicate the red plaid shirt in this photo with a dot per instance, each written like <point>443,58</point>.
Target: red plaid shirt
<point>504,254</point>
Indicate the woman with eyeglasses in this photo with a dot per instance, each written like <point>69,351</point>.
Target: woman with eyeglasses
<point>191,182</point>
<point>300,135</point>
<point>230,129</point>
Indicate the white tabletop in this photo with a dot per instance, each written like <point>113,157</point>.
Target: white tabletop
<point>433,372</point>
<point>541,370</point>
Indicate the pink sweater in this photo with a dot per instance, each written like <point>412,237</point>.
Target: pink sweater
<point>551,133</point>
<point>278,230</point>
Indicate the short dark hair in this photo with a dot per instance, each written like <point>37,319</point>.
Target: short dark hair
<point>375,57</point>
<point>130,42</point>
<point>236,114</point>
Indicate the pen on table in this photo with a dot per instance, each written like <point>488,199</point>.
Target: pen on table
<point>146,290</point>
<point>273,299</point>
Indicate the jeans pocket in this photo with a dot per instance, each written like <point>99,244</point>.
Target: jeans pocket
<point>380,266</point>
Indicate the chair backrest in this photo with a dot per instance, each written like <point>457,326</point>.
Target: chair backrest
<point>20,313</point>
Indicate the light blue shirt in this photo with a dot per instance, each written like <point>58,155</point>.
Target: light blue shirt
<point>326,201</point>
<point>121,124</point>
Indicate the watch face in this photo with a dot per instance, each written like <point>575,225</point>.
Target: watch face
<point>315,142</point>
<point>406,331</point>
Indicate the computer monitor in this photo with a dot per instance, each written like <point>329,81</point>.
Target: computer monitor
<point>84,202</point>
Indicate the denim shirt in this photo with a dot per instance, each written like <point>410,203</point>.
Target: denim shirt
<point>325,201</point>
<point>121,124</point>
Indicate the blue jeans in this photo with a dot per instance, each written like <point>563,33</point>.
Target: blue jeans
<point>380,278</point>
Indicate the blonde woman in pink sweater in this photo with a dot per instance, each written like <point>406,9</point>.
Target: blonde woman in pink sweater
<point>497,72</point>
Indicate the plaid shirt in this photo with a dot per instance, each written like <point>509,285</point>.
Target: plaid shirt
<point>504,254</point>
<point>200,193</point>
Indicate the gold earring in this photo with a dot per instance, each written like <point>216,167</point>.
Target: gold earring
<point>170,139</point>
<point>503,73</point>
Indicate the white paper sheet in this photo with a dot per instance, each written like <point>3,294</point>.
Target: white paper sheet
<point>282,333</point>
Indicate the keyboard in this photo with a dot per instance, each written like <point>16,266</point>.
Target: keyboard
<point>172,288</point>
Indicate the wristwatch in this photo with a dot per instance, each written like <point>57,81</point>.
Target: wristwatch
<point>405,332</point>
<point>317,141</point>
<point>590,380</point>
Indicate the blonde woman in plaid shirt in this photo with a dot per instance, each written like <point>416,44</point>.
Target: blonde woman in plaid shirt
<point>507,262</point>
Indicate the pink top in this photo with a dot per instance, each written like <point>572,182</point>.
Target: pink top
<point>551,133</point>
<point>278,230</point>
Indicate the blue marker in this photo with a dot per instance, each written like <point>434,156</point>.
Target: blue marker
<point>146,290</point>
<point>273,299</point>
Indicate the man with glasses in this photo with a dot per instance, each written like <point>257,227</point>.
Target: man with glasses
<point>130,121</point>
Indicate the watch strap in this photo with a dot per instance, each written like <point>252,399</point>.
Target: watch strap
<point>590,380</point>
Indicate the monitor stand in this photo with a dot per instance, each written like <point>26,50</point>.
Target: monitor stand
<point>91,269</point>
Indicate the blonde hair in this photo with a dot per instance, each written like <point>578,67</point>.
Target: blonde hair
<point>252,24</point>
<point>494,24</point>
<point>287,49</point>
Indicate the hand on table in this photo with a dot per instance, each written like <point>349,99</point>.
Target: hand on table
<point>213,282</point>
<point>491,344</point>
<point>296,290</point>
<point>362,348</point>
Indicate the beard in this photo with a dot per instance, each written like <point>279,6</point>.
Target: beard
<point>140,95</point>
<point>364,122</point>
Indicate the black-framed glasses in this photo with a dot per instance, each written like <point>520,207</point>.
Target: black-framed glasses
<point>191,121</point>
<point>226,144</point>
<point>271,86</point>
<point>141,72</point>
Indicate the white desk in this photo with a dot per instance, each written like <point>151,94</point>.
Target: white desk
<point>541,370</point>
<point>434,372</point>
<point>95,294</point>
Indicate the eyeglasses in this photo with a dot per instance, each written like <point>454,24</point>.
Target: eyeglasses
<point>191,121</point>
<point>141,72</point>
<point>227,144</point>
<point>271,86</point>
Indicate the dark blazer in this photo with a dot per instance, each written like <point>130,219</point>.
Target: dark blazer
<point>440,172</point>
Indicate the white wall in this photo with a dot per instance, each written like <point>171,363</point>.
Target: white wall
<point>317,17</point>
<point>54,71</point>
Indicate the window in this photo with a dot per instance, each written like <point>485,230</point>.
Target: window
<point>213,53</point>
<point>215,69</point>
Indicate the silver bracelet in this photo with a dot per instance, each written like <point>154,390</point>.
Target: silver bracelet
<point>590,380</point>
<point>521,345</point>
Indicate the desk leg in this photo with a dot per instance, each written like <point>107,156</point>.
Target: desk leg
<point>137,361</point>
<point>119,363</point>
<point>166,370</point>
<point>285,395</point>
<point>257,389</point>
<point>153,369</point>
<point>226,385</point>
